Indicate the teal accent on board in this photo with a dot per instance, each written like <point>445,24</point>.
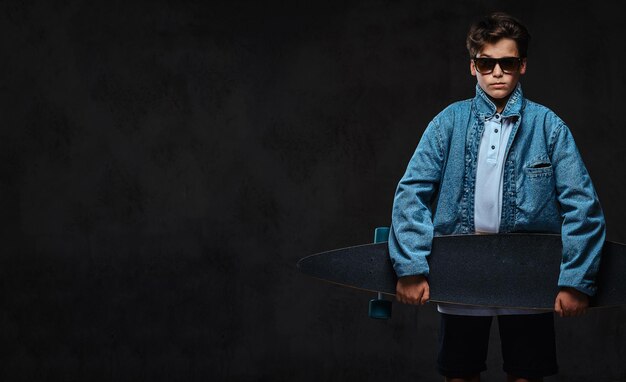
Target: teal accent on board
<point>380,309</point>
<point>381,234</point>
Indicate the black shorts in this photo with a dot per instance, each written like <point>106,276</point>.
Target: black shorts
<point>527,341</point>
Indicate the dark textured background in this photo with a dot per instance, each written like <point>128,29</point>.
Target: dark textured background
<point>164,164</point>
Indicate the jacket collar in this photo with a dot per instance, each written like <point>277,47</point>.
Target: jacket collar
<point>485,108</point>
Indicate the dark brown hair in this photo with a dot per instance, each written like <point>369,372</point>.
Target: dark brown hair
<point>492,28</point>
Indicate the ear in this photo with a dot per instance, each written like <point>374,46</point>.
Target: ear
<point>522,68</point>
<point>472,68</point>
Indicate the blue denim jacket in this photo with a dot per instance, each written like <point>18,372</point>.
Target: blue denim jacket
<point>546,187</point>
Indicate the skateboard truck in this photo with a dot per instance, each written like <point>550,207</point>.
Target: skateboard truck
<point>379,307</point>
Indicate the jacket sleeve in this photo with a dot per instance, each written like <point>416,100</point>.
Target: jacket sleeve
<point>411,233</point>
<point>583,229</point>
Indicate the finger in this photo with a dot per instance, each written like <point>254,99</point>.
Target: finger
<point>559,307</point>
<point>566,310</point>
<point>400,298</point>
<point>407,300</point>
<point>418,298</point>
<point>400,292</point>
<point>425,296</point>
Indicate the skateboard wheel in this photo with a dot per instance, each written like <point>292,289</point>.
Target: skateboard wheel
<point>380,309</point>
<point>381,234</point>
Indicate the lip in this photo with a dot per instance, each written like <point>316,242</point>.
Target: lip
<point>498,85</point>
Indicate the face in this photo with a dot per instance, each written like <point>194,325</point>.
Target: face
<point>498,85</point>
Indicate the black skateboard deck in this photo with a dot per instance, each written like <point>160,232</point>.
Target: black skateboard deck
<point>515,270</point>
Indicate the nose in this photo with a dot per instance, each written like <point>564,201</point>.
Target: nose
<point>497,70</point>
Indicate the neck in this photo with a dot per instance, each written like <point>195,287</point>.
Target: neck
<point>500,103</point>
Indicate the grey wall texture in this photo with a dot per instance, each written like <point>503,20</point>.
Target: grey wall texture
<point>164,164</point>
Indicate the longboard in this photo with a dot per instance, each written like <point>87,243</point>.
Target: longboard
<point>514,270</point>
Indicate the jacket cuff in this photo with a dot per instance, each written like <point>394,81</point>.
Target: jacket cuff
<point>586,288</point>
<point>403,270</point>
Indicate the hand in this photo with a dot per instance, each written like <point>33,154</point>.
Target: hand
<point>413,290</point>
<point>571,303</point>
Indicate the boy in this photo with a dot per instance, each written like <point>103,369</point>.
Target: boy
<point>497,163</point>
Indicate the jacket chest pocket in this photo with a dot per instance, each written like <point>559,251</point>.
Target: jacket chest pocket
<point>538,169</point>
<point>537,205</point>
<point>538,190</point>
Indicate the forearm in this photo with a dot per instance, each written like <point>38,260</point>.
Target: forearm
<point>411,233</point>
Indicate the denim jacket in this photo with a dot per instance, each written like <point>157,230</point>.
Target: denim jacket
<point>546,187</point>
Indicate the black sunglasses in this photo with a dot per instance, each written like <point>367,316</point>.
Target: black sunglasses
<point>485,65</point>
